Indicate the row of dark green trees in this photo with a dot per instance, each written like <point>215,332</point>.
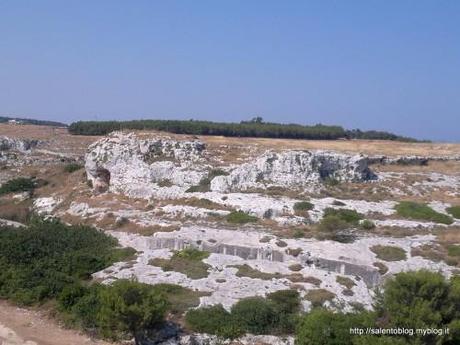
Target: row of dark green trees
<point>254,128</point>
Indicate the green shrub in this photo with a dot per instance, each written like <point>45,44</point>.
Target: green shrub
<point>454,211</point>
<point>417,211</point>
<point>301,208</point>
<point>20,184</point>
<point>350,216</point>
<point>325,327</point>
<point>213,320</point>
<point>37,262</point>
<point>255,315</point>
<point>276,314</point>
<point>331,224</point>
<point>113,311</point>
<point>240,217</point>
<point>419,299</point>
<point>367,224</point>
<point>389,253</point>
<point>286,301</point>
<point>331,181</point>
<point>71,167</point>
<point>191,253</point>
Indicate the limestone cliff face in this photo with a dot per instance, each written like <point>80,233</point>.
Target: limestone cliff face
<point>294,169</point>
<point>128,164</point>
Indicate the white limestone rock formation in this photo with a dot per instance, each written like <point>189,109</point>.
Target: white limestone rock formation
<point>294,169</point>
<point>22,145</point>
<point>133,166</point>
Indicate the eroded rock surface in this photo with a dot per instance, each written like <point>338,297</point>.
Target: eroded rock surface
<point>135,166</point>
<point>294,169</point>
<point>7,143</point>
<point>138,167</point>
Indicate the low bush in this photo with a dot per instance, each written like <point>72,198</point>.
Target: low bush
<point>38,261</point>
<point>301,208</point>
<point>349,216</point>
<point>454,211</point>
<point>326,327</point>
<point>20,184</point>
<point>72,167</point>
<point>332,224</point>
<point>418,211</point>
<point>367,224</point>
<point>276,314</point>
<point>240,217</point>
<point>120,311</point>
<point>213,320</point>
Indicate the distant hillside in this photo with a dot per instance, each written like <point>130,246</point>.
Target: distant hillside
<point>4,119</point>
<point>254,128</point>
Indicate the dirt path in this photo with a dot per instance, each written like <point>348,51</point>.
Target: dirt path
<point>20,326</point>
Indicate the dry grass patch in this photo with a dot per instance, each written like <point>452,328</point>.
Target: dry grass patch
<point>381,267</point>
<point>389,253</point>
<point>345,281</point>
<point>296,267</point>
<point>187,261</point>
<point>199,203</point>
<point>249,272</point>
<point>299,278</point>
<point>318,297</point>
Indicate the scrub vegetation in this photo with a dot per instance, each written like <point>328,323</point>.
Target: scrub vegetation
<point>419,211</point>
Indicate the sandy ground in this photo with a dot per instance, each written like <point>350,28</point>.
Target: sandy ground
<point>20,326</point>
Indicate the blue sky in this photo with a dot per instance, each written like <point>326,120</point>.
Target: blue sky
<point>389,65</point>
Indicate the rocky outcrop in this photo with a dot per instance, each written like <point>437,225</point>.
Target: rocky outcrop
<point>23,145</point>
<point>294,169</point>
<point>128,164</point>
<point>138,167</point>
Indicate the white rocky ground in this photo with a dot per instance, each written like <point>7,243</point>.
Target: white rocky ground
<point>166,174</point>
<point>324,260</point>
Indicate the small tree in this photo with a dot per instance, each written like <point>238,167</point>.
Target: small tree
<point>132,307</point>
